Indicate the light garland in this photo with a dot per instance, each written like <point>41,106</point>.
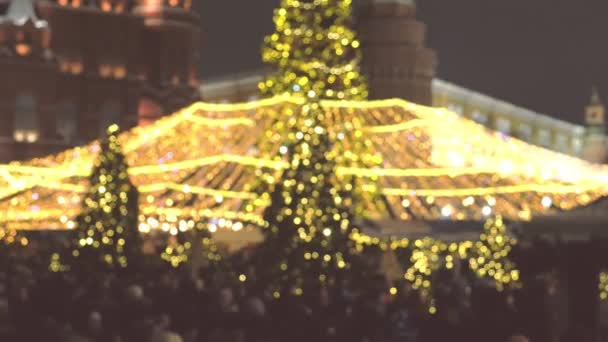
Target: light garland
<point>489,257</point>
<point>603,285</point>
<point>466,168</point>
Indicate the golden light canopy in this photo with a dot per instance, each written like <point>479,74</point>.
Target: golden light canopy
<point>202,164</point>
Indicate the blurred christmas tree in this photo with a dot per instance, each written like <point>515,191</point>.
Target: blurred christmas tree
<point>314,51</point>
<point>107,232</point>
<point>490,255</point>
<point>313,212</point>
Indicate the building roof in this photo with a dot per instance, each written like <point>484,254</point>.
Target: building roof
<point>21,12</point>
<point>203,162</point>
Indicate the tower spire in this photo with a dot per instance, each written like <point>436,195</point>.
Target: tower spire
<point>595,148</point>
<point>595,97</point>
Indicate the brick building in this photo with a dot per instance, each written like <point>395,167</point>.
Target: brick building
<point>71,67</point>
<point>398,64</point>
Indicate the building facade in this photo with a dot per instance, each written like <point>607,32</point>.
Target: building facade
<point>398,65</point>
<point>585,141</point>
<point>72,67</point>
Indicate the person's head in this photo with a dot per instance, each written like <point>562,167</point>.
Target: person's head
<point>95,322</point>
<point>164,321</point>
<point>324,296</point>
<point>135,292</point>
<point>226,297</point>
<point>518,338</point>
<point>256,306</point>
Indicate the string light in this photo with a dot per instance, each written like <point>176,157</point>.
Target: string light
<point>518,194</point>
<point>489,256</point>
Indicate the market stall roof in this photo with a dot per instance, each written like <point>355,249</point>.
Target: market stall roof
<point>203,163</point>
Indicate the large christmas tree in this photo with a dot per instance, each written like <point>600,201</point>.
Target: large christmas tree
<point>314,51</point>
<point>313,210</point>
<point>107,231</point>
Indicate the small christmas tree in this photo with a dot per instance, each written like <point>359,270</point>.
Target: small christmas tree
<point>314,51</point>
<point>107,231</point>
<point>490,255</point>
<point>311,217</point>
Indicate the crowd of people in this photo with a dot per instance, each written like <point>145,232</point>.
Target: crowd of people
<point>163,304</point>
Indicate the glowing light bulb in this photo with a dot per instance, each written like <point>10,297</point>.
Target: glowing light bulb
<point>547,202</point>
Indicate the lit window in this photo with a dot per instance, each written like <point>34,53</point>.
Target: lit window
<point>120,72</point>
<point>106,6</point>
<point>105,71</point>
<point>67,120</point>
<point>455,108</point>
<point>577,145</point>
<point>503,125</point>
<point>561,143</point>
<point>23,49</point>
<point>525,132</point>
<point>544,137</point>
<point>26,119</point>
<point>479,117</point>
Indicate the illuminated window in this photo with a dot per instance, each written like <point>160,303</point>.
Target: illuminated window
<point>479,117</point>
<point>544,137</point>
<point>525,132</point>
<point>76,67</point>
<point>503,125</point>
<point>106,6</point>
<point>26,127</point>
<point>561,143</point>
<point>109,114</point>
<point>105,70</point>
<point>120,72</point>
<point>67,120</point>
<point>577,145</point>
<point>455,108</point>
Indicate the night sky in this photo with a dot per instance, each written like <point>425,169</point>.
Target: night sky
<point>541,54</point>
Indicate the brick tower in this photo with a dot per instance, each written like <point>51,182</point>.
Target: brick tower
<point>27,86</point>
<point>170,47</point>
<point>395,59</point>
<point>595,149</point>
<point>73,67</point>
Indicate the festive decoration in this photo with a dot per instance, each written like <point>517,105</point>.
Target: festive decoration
<point>425,260</point>
<point>489,257</point>
<point>314,50</point>
<point>603,285</point>
<point>312,212</point>
<point>435,165</point>
<point>12,236</point>
<point>107,227</point>
<point>181,248</point>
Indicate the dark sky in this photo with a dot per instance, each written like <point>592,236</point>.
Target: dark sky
<point>540,54</point>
